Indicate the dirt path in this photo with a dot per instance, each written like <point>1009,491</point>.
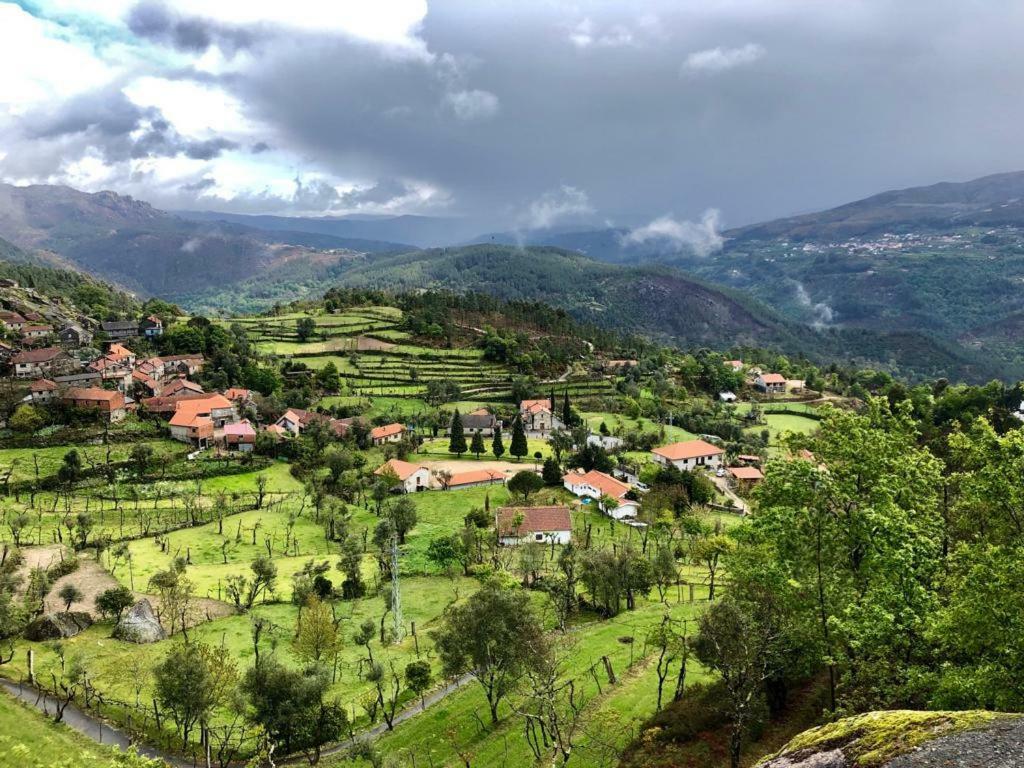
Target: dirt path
<point>722,483</point>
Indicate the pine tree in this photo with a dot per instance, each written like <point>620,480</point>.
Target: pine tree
<point>478,444</point>
<point>552,473</point>
<point>457,443</point>
<point>553,406</point>
<point>519,447</point>
<point>497,446</point>
<point>566,410</point>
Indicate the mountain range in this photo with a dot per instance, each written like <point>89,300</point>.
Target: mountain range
<point>924,281</point>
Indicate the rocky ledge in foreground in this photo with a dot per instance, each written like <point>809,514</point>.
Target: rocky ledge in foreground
<point>908,739</point>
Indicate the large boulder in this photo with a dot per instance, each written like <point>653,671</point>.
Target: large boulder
<point>55,626</point>
<point>140,625</point>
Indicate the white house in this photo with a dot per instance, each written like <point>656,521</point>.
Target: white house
<point>689,455</point>
<point>608,442</point>
<point>412,476</point>
<point>771,383</point>
<point>389,433</point>
<point>517,525</point>
<point>596,485</point>
<point>36,363</point>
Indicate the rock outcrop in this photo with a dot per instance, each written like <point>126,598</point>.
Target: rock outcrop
<point>908,739</point>
<point>140,625</point>
<point>55,626</point>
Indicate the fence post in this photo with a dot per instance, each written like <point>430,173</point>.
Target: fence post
<point>691,592</point>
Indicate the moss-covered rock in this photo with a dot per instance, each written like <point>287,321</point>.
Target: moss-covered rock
<point>873,739</point>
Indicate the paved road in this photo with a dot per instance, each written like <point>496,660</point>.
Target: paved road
<point>102,733</point>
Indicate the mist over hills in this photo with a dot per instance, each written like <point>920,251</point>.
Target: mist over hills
<point>922,280</point>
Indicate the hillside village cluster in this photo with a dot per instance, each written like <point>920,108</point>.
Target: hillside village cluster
<point>161,388</point>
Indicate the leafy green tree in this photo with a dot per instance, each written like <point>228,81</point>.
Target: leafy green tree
<point>457,435</point>
<point>327,378</point>
<point>114,601</point>
<point>477,447</point>
<point>525,483</point>
<point>13,619</point>
<point>292,708</point>
<point>25,419</point>
<point>497,446</point>
<point>419,678</point>
<point>142,458</point>
<point>305,328</point>
<point>402,514</point>
<point>494,636</point>
<point>519,447</point>
<point>191,681</point>
<point>69,594</point>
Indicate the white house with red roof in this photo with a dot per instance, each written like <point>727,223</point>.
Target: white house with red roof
<point>42,391</point>
<point>517,525</point>
<point>689,455</point>
<point>240,436</point>
<point>413,477</point>
<point>597,485</point>
<point>771,383</point>
<point>388,433</point>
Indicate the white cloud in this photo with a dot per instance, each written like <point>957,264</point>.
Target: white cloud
<point>585,34</point>
<point>472,105</point>
<point>194,109</point>
<point>702,237</point>
<point>42,62</point>
<point>720,59</point>
<point>556,205</point>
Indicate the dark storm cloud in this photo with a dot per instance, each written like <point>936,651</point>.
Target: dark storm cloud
<point>108,122</point>
<point>157,21</point>
<point>759,109</point>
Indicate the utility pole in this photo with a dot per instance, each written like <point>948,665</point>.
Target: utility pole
<point>396,593</point>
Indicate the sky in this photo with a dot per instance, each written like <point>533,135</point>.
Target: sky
<point>682,116</point>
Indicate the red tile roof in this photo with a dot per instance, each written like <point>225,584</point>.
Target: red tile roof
<point>606,484</point>
<point>691,449</point>
<point>104,399</point>
<point>43,355</point>
<point>535,520</point>
<point>746,473</point>
<point>403,469</point>
<point>475,476</point>
<point>388,430</point>
<point>534,406</point>
<point>189,413</point>
<point>773,378</point>
<point>42,385</point>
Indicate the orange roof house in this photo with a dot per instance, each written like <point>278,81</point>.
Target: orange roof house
<point>389,433</point>
<point>689,454</point>
<point>537,524</point>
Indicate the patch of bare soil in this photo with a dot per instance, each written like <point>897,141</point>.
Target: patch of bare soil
<point>366,344</point>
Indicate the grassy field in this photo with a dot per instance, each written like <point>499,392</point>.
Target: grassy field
<point>778,424</point>
<point>617,422</point>
<point>30,740</point>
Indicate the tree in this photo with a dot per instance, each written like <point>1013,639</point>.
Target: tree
<point>552,473</point>
<point>491,637</point>
<point>25,419</point>
<point>142,458</point>
<point>71,468</point>
<point>419,678</point>
<point>291,707</point>
<point>191,681</point>
<point>519,447</point>
<point>317,639</point>
<point>741,643</point>
<point>567,418</point>
<point>69,594</point>
<point>305,328</point>
<point>264,577</point>
<point>327,378</point>
<point>525,482</point>
<point>402,514</point>
<point>13,619</point>
<point>497,446</point>
<point>114,601</point>
<point>477,447</point>
<point>457,436</point>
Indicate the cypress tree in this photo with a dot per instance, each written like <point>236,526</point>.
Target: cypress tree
<point>552,473</point>
<point>497,446</point>
<point>566,410</point>
<point>457,443</point>
<point>519,447</point>
<point>477,446</point>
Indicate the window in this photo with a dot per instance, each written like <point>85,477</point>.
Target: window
<point>538,537</point>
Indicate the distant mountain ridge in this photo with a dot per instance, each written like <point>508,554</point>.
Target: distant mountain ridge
<point>150,251</point>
